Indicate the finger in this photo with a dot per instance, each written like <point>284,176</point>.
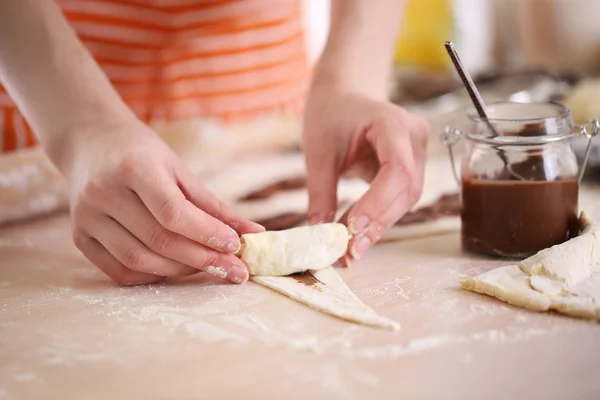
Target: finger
<point>393,192</point>
<point>344,218</point>
<point>130,252</point>
<point>321,182</point>
<point>204,199</point>
<point>174,212</point>
<point>115,270</point>
<point>136,218</point>
<point>420,131</point>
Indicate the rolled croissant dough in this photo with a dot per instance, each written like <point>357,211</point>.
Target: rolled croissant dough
<point>564,278</point>
<point>272,255</point>
<point>278,253</point>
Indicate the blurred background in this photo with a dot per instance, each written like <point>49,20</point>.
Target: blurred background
<point>495,38</point>
<point>518,50</point>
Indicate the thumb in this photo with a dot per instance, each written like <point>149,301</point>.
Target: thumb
<point>322,181</point>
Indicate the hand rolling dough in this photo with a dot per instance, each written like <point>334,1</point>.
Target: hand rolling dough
<point>278,253</point>
<point>273,254</point>
<point>564,278</point>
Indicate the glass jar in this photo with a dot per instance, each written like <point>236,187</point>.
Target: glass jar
<point>519,178</point>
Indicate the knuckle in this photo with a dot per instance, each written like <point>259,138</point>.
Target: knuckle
<point>130,165</point>
<point>222,208</point>
<point>392,112</point>
<point>210,258</point>
<point>414,187</point>
<point>423,129</point>
<point>95,191</point>
<point>415,190</point>
<point>171,215</point>
<point>212,236</point>
<point>80,240</point>
<point>135,259</point>
<point>397,112</point>
<point>163,241</point>
<point>78,214</point>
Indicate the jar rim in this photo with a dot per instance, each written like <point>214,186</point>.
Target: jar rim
<point>561,112</point>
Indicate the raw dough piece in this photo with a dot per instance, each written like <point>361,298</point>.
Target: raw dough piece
<point>565,277</point>
<point>329,295</point>
<point>510,285</point>
<point>277,253</point>
<point>30,186</point>
<point>567,263</point>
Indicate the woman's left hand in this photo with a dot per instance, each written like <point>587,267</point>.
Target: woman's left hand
<point>347,133</point>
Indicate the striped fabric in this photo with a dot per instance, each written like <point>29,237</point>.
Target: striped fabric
<point>173,60</point>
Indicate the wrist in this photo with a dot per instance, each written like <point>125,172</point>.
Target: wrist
<point>73,135</point>
<point>348,77</point>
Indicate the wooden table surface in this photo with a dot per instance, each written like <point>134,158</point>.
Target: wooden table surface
<point>67,332</point>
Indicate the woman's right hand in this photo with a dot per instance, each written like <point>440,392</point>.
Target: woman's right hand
<point>140,215</point>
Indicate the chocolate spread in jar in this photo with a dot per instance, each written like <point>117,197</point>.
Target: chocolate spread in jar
<point>517,218</point>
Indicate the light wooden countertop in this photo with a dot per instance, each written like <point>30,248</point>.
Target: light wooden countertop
<point>67,332</point>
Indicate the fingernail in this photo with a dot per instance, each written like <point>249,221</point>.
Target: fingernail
<point>237,274</point>
<point>317,218</point>
<point>360,247</point>
<point>219,272</point>
<point>358,224</point>
<point>331,215</point>
<point>233,245</point>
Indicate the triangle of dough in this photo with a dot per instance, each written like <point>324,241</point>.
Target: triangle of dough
<point>330,296</point>
<point>510,285</point>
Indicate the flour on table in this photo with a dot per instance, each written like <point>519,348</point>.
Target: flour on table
<point>434,342</point>
<point>24,377</point>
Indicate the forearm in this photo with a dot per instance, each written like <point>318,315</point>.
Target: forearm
<point>49,74</point>
<point>360,46</point>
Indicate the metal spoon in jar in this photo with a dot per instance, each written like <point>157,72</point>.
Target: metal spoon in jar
<point>478,102</point>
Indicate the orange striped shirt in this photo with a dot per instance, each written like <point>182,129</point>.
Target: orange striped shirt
<point>173,60</point>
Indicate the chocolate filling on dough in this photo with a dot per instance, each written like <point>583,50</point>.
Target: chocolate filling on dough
<point>298,182</point>
<point>306,278</point>
<point>283,221</point>
<point>445,206</point>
